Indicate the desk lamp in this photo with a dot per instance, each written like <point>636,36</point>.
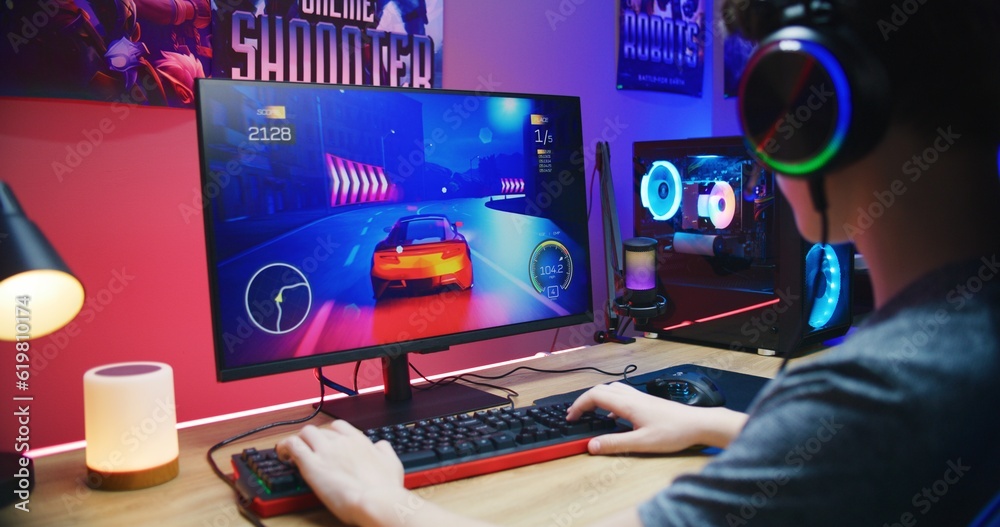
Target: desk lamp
<point>38,295</point>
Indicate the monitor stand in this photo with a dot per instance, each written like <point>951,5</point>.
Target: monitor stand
<point>398,404</point>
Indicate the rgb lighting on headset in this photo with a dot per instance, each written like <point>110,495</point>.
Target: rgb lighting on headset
<point>842,90</point>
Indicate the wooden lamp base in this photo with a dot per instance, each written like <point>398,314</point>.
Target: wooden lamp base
<point>132,480</point>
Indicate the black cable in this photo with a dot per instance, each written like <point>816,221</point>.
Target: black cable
<point>555,338</point>
<point>511,393</point>
<point>590,200</point>
<point>357,368</point>
<point>593,178</point>
<point>624,373</point>
<point>241,503</point>
<point>329,383</point>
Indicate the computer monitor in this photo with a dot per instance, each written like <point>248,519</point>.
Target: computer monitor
<point>346,223</point>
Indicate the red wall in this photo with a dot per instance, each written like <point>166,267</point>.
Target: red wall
<point>116,190</point>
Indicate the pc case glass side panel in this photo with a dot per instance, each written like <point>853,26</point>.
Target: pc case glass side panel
<point>719,236</point>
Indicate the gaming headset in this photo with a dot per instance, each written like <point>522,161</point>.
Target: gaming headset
<point>811,99</point>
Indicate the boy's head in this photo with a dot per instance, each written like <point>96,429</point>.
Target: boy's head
<point>942,58</point>
<point>928,65</point>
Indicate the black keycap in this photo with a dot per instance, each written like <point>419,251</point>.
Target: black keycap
<point>604,424</point>
<point>465,448</point>
<point>281,483</point>
<point>446,452</point>
<point>503,439</point>
<point>551,433</point>
<point>576,427</point>
<point>418,458</point>
<point>526,437</point>
<point>484,445</point>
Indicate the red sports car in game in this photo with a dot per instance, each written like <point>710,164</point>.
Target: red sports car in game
<point>421,253</point>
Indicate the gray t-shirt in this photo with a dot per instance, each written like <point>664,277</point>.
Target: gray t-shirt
<point>897,426</point>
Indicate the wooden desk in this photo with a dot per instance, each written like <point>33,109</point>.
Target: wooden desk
<point>569,491</point>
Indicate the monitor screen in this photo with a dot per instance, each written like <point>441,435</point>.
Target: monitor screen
<point>346,223</point>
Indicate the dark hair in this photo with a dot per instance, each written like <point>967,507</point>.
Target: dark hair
<point>942,56</point>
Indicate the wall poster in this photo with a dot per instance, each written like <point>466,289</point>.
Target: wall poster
<point>148,52</point>
<point>661,46</point>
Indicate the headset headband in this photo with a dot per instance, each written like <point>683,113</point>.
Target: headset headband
<point>811,98</point>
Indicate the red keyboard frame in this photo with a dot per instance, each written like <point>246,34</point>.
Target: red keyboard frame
<point>448,471</point>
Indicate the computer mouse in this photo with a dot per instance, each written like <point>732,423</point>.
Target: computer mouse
<point>687,387</point>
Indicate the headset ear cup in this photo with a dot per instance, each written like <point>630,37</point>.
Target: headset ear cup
<point>811,100</point>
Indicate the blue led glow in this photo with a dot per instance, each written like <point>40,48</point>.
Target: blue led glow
<point>508,114</point>
<point>661,207</point>
<point>825,306</point>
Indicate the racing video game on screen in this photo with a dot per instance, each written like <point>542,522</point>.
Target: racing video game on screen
<point>346,217</point>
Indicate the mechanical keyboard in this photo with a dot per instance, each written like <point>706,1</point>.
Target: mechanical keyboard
<point>435,451</point>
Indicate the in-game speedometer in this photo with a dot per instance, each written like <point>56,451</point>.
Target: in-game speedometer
<point>550,268</point>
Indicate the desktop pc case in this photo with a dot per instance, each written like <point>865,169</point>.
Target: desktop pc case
<point>730,262</point>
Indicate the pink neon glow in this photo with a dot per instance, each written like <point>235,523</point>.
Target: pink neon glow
<point>383,185</point>
<point>35,453</point>
<point>331,164</point>
<point>365,182</point>
<point>353,182</point>
<point>724,315</point>
<point>307,346</point>
<point>344,182</point>
<point>511,186</point>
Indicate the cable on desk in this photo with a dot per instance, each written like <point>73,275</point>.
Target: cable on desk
<point>467,377</point>
<point>510,393</point>
<point>241,504</point>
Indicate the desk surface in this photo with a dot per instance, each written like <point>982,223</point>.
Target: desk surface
<point>569,491</point>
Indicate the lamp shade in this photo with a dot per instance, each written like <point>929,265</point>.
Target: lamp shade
<point>38,293</point>
<point>130,421</point>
